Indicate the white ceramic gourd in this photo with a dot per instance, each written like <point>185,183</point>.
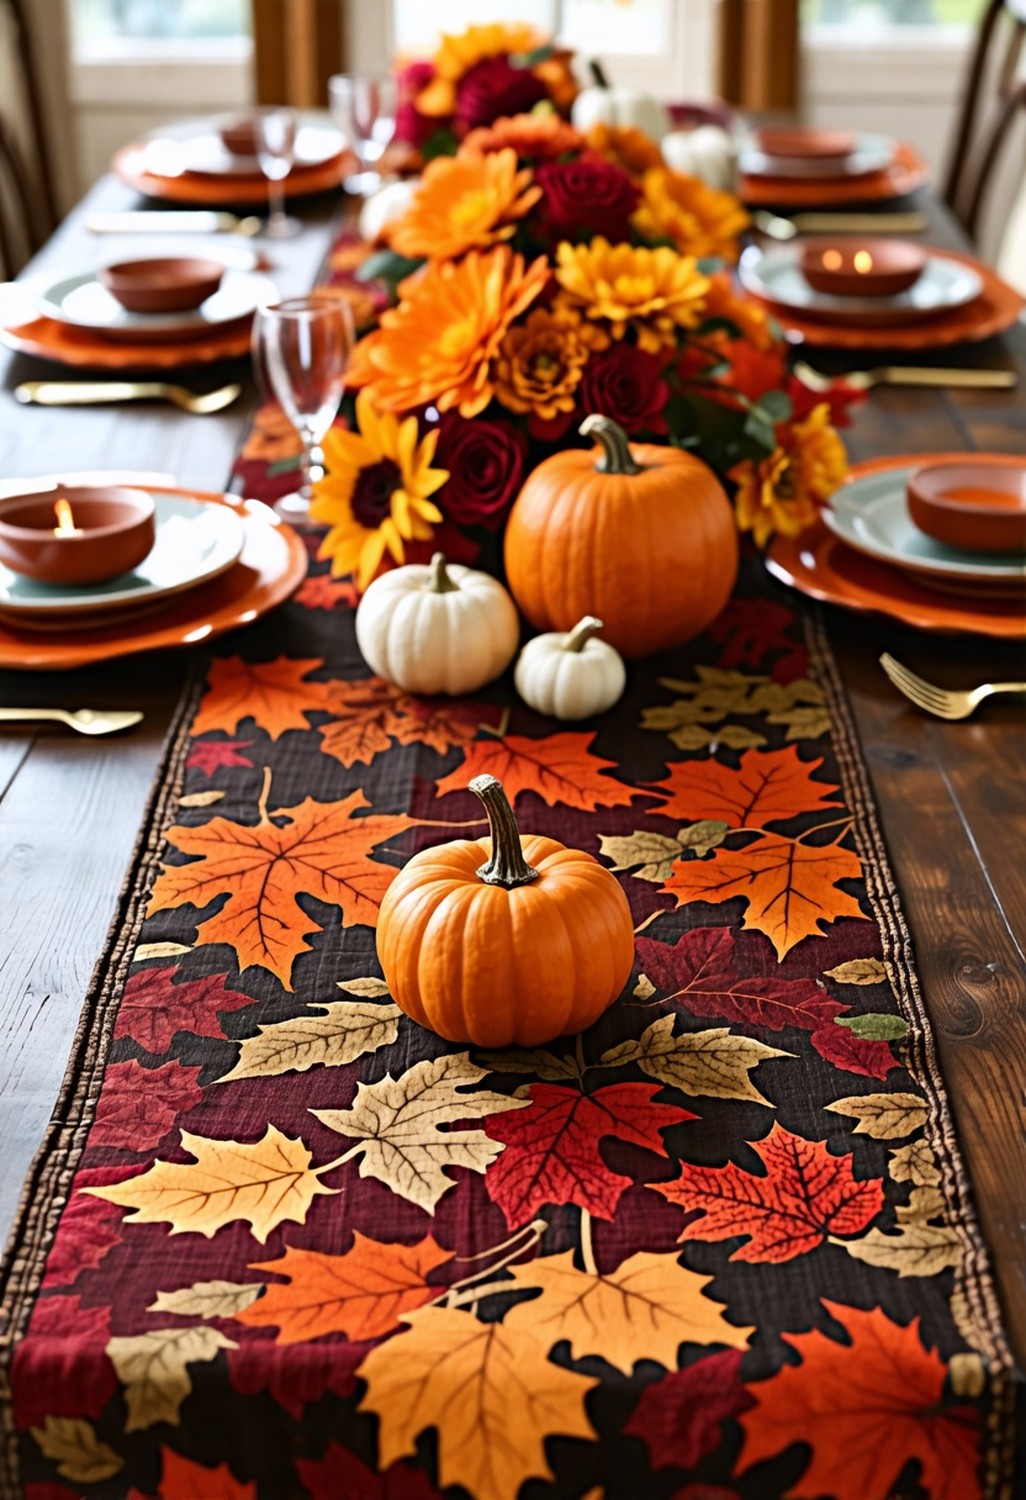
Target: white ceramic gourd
<point>388,203</point>
<point>570,675</point>
<point>706,152</point>
<point>437,629</point>
<point>620,106</point>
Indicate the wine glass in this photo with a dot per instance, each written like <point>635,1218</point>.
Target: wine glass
<point>274,135</point>
<point>364,107</point>
<point>301,350</point>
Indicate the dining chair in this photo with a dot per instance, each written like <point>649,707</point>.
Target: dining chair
<point>995,93</point>
<point>18,241</point>
<point>28,209</point>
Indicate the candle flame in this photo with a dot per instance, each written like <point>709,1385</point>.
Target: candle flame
<point>863,262</point>
<point>832,260</point>
<point>65,519</point>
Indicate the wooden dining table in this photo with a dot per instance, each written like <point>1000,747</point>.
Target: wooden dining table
<point>952,796</point>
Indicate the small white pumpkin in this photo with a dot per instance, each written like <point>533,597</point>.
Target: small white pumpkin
<point>706,152</point>
<point>570,675</point>
<point>620,106</point>
<point>437,629</point>
<point>388,203</point>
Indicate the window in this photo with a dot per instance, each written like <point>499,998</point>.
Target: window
<point>112,25</point>
<point>869,16</point>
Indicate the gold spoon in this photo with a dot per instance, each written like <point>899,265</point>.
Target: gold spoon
<point>85,720</point>
<point>87,392</point>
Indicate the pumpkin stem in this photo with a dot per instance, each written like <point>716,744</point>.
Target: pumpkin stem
<point>582,633</point>
<point>440,582</point>
<point>616,450</point>
<point>598,73</point>
<point>507,866</point>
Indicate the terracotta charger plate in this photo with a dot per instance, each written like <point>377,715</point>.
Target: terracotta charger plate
<point>272,565</point>
<point>819,564</point>
<point>906,172</point>
<point>83,349</point>
<point>233,191</point>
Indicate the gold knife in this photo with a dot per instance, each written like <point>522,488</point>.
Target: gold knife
<point>780,228</point>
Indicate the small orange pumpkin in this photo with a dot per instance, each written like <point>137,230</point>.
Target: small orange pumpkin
<point>534,943</point>
<point>645,539</point>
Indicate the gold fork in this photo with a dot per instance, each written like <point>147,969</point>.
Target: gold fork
<point>85,720</point>
<point>86,392</point>
<point>945,703</point>
<point>864,380</point>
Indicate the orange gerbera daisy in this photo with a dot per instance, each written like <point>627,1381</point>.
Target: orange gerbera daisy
<point>625,146</point>
<point>655,292</point>
<point>700,220</point>
<point>782,492</point>
<point>465,202</point>
<point>541,361</point>
<point>534,137</point>
<point>753,320</point>
<point>439,344</point>
<point>458,54</point>
<point>557,74</point>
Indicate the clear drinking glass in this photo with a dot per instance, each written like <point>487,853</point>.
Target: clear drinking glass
<point>363,106</point>
<point>274,133</point>
<point>301,350</point>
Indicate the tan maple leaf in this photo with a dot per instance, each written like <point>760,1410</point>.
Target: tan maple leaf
<point>342,1031</point>
<point>490,1393</point>
<point>645,1309</point>
<point>858,971</point>
<point>886,1117</point>
<point>713,1063</point>
<point>74,1447</point>
<point>271,693</point>
<point>322,851</point>
<point>154,1370</point>
<point>915,1250</point>
<point>262,1182</point>
<point>650,856</point>
<point>364,717</point>
<point>915,1163</point>
<point>207,1299</point>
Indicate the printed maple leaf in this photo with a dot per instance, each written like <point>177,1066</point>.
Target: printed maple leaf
<point>855,1054</point>
<point>321,591</point>
<point>86,1383</point>
<point>271,693</point>
<point>769,786</point>
<point>878,1404</point>
<point>805,1195</point>
<point>645,1309</point>
<point>153,1367</point>
<point>790,888</point>
<point>886,1117</point>
<point>552,1147</point>
<point>207,1299</point>
<point>442,723</point>
<point>750,629</point>
<point>77,1451</point>
<point>490,1392</point>
<point>340,1475</point>
<point>712,1063</point>
<point>209,756</point>
<point>339,1033</point>
<point>181,1479</point>
<point>364,717</point>
<point>262,868</point>
<point>138,1106</point>
<point>701,971</point>
<point>560,769</point>
<point>362,1293</point>
<point>679,1418</point>
<point>87,1230</point>
<point>154,1009</point>
<point>261,1182</point>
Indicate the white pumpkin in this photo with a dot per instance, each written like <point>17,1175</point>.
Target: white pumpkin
<point>388,203</point>
<point>706,152</point>
<point>620,106</point>
<point>570,675</point>
<point>437,629</point>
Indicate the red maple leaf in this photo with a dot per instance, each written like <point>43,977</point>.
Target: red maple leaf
<point>153,1008</point>
<point>855,1054</point>
<point>181,1479</point>
<point>679,1417</point>
<point>552,1146</point>
<point>60,1368</point>
<point>321,591</point>
<point>340,1475</point>
<point>877,1401</point>
<point>209,756</point>
<point>700,971</point>
<point>769,786</point>
<point>88,1228</point>
<point>804,1195</point>
<point>750,629</point>
<point>138,1106</point>
<point>559,768</point>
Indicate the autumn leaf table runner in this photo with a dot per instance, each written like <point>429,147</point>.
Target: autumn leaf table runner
<point>282,1242</point>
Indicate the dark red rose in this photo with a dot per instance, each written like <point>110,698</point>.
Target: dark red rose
<point>486,463</point>
<point>587,194</point>
<point>626,384</point>
<point>492,88</point>
<point>410,124</point>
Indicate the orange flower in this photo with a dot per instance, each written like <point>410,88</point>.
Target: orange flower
<point>655,292</point>
<point>625,146</point>
<point>700,220</point>
<point>541,361</point>
<point>557,74</point>
<point>534,137</point>
<point>272,436</point>
<point>464,202</point>
<point>439,344</point>
<point>459,53</point>
<point>781,492</point>
<point>754,321</point>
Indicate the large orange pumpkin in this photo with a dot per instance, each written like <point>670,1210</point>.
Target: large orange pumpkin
<point>644,538</point>
<point>535,942</point>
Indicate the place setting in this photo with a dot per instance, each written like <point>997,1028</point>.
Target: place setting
<point>810,167</point>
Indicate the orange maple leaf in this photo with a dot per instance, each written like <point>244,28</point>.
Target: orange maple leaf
<point>559,768</point>
<point>271,693</point>
<point>181,1479</point>
<point>865,1408</point>
<point>322,852</point>
<point>768,786</point>
<point>806,1195</point>
<point>790,887</point>
<point>362,1294</point>
<point>321,591</point>
<point>443,723</point>
<point>364,719</point>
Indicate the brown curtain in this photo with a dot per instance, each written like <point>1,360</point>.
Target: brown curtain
<point>297,45</point>
<point>758,54</point>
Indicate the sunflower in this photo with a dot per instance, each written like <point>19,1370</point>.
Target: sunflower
<point>541,361</point>
<point>374,495</point>
<point>782,492</point>
<point>655,292</point>
<point>439,344</point>
<point>700,220</point>
<point>534,137</point>
<point>625,146</point>
<point>465,202</point>
<point>458,54</point>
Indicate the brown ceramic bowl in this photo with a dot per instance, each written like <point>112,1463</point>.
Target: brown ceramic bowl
<point>115,530</point>
<point>805,143</point>
<point>171,284</point>
<point>239,136</point>
<point>977,506</point>
<point>861,268</point>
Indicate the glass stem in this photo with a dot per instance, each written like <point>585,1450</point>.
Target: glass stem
<point>277,205</point>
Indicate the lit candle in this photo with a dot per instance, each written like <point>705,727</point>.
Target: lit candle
<point>833,260</point>
<point>65,519</point>
<point>863,262</point>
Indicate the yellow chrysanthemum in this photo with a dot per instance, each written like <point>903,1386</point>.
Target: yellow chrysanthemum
<point>465,202</point>
<point>655,292</point>
<point>374,495</point>
<point>625,146</point>
<point>541,361</point>
<point>458,54</point>
<point>782,492</point>
<point>700,220</point>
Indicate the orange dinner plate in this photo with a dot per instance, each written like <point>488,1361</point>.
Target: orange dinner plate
<point>84,349</point>
<point>231,190</point>
<point>272,565</point>
<point>819,564</point>
<point>906,172</point>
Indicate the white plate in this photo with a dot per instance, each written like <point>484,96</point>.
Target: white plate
<point>195,146</point>
<point>195,542</point>
<point>872,153</point>
<point>776,276</point>
<point>871,515</point>
<point>81,300</point>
